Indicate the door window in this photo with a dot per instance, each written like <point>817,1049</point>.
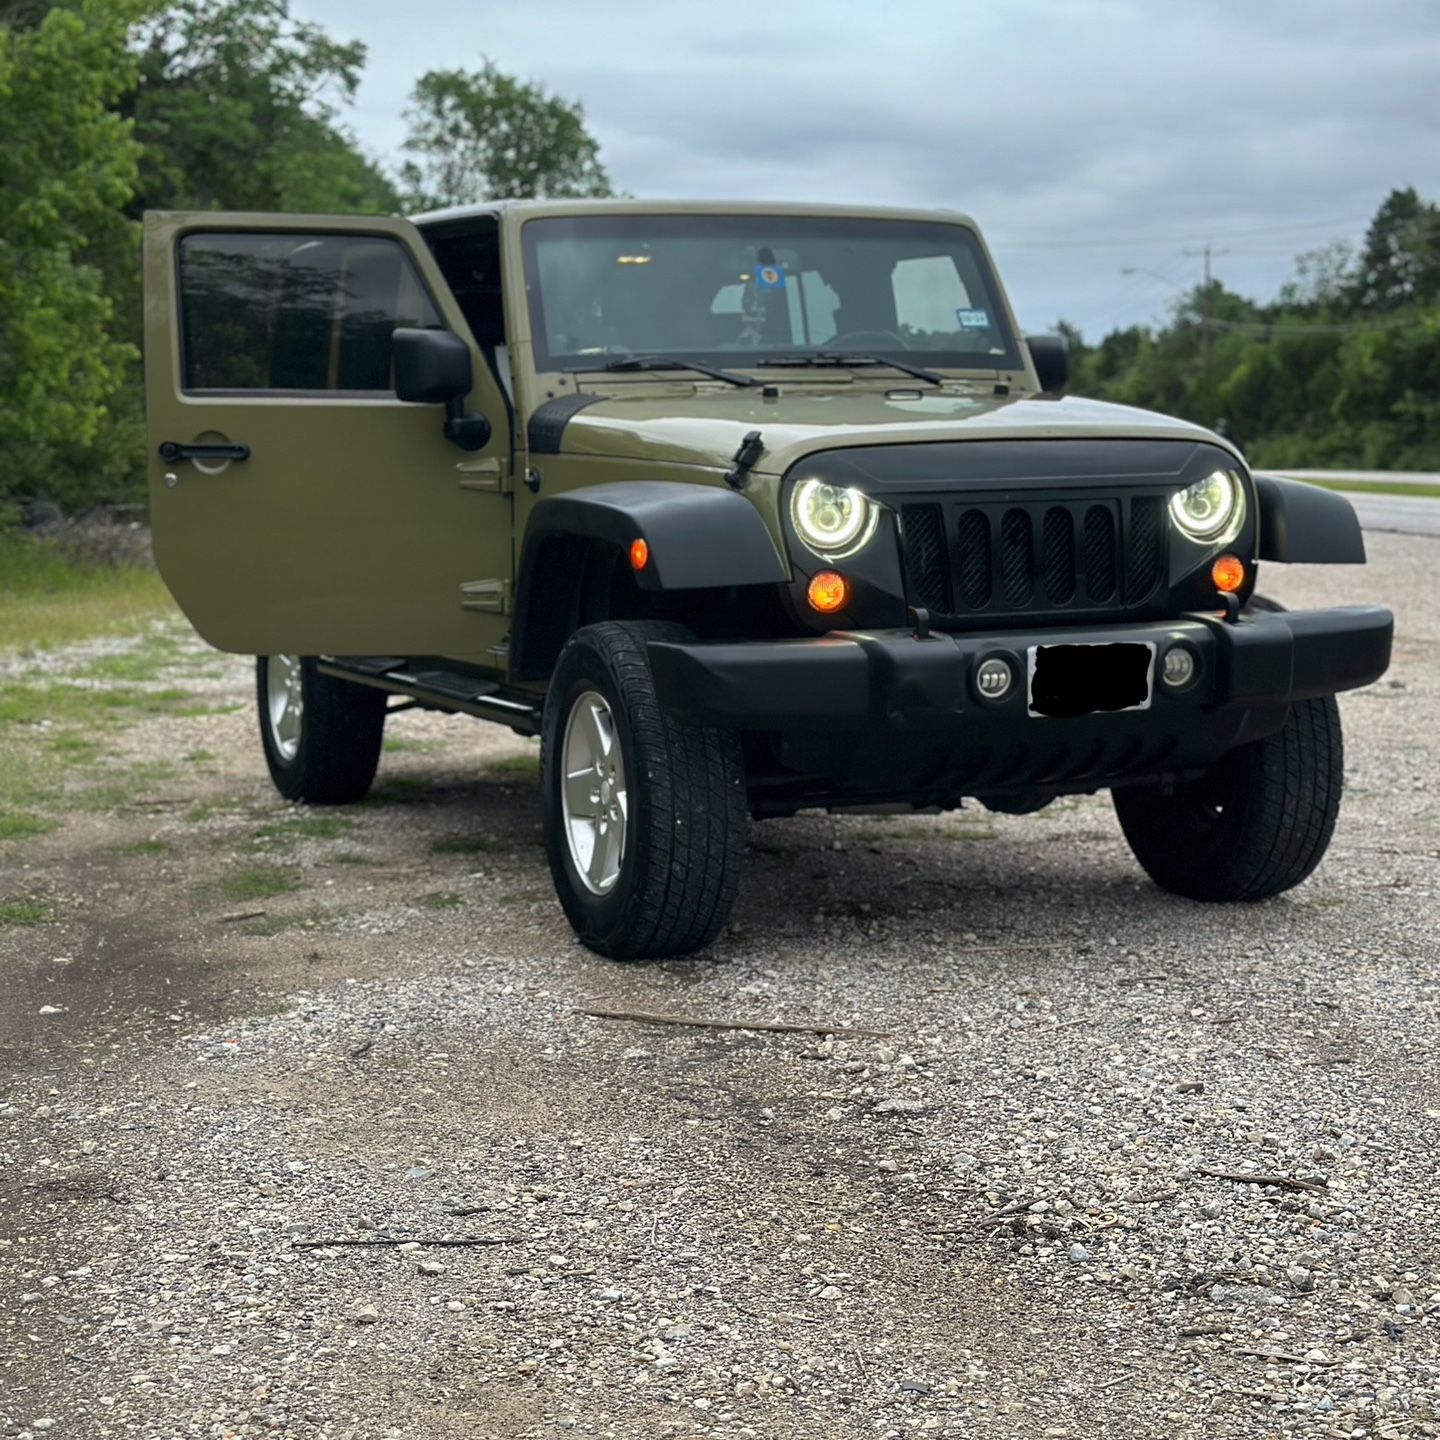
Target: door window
<point>294,312</point>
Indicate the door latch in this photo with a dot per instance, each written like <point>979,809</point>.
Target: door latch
<point>173,450</point>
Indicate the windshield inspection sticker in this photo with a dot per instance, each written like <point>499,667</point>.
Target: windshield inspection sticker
<point>973,319</point>
<point>769,277</point>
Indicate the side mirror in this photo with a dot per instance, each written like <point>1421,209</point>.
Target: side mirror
<point>432,367</point>
<point>1051,357</point>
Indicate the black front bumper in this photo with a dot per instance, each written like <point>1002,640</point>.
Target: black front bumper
<point>894,685</point>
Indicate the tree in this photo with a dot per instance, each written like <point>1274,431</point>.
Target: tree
<point>237,107</point>
<point>483,134</point>
<point>1400,263</point>
<point>67,170</point>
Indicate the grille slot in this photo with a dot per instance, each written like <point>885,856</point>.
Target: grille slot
<point>1017,560</point>
<point>972,560</point>
<point>927,570</point>
<point>1099,554</point>
<point>1010,556</point>
<point>1057,556</point>
<point>1142,552</point>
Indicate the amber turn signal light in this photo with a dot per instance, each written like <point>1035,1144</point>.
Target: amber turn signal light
<point>1228,573</point>
<point>828,591</point>
<point>639,554</point>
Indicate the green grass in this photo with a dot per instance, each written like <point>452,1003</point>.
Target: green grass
<point>464,845</point>
<point>210,809</point>
<point>18,824</point>
<point>48,600</point>
<point>26,912</point>
<point>1379,487</point>
<point>515,767</point>
<point>112,789</point>
<point>439,900</point>
<point>258,882</point>
<point>401,790</point>
<point>305,826</point>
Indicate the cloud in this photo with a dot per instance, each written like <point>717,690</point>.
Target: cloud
<point>1087,136</point>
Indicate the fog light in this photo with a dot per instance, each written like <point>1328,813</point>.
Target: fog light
<point>828,592</point>
<point>993,678</point>
<point>1228,573</point>
<point>1178,668</point>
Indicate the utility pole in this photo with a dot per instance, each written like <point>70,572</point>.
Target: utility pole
<point>1208,307</point>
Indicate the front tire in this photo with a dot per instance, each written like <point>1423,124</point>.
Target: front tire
<point>1255,825</point>
<point>644,818</point>
<point>321,734</point>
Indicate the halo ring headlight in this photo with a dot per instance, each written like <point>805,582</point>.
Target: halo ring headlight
<point>1211,510</point>
<point>832,520</point>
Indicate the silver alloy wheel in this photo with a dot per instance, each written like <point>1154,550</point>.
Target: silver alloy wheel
<point>594,799</point>
<point>284,703</point>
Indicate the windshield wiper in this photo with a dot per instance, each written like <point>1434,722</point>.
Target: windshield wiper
<point>664,362</point>
<point>824,357</point>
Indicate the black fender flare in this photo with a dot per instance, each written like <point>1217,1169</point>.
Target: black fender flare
<point>700,537</point>
<point>1303,524</point>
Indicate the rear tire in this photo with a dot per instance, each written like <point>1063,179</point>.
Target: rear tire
<point>1255,825</point>
<point>321,735</point>
<point>644,818</point>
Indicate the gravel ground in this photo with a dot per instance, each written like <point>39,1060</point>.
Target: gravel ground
<point>1035,1206</point>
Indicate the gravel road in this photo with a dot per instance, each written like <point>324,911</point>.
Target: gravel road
<point>258,1062</point>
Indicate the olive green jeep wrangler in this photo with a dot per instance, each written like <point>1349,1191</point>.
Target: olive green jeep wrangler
<point>744,510</point>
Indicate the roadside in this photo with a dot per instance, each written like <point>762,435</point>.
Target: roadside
<point>230,1025</point>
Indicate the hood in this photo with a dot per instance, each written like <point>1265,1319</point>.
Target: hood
<point>705,428</point>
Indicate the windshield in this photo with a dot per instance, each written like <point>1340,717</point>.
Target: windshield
<point>739,290</point>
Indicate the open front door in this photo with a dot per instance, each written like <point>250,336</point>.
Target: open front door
<point>298,506</point>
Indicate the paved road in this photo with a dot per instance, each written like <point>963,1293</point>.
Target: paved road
<point>1398,513</point>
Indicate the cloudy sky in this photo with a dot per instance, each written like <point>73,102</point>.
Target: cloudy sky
<point>1088,137</point>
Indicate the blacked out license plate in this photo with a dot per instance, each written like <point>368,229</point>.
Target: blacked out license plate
<point>1070,680</point>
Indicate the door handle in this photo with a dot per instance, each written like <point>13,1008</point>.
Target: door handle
<point>172,450</point>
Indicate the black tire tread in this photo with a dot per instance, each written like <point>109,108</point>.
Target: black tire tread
<point>1282,799</point>
<point>689,835</point>
<point>343,729</point>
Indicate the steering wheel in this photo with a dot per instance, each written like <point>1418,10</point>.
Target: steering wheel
<point>866,340</point>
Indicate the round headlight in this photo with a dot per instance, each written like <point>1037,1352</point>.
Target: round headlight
<point>1210,509</point>
<point>830,519</point>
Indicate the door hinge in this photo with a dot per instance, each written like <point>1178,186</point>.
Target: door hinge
<point>492,596</point>
<point>491,474</point>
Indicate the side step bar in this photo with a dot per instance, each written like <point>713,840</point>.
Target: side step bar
<point>449,690</point>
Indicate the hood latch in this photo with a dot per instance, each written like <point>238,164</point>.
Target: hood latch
<point>752,447</point>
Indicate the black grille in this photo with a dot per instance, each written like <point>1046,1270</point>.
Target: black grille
<point>972,559</point>
<point>1057,556</point>
<point>929,575</point>
<point>1017,560</point>
<point>1142,553</point>
<point>1007,557</point>
<point>1099,554</point>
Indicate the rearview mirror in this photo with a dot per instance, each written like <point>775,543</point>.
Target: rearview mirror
<point>1051,356</point>
<point>432,367</point>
